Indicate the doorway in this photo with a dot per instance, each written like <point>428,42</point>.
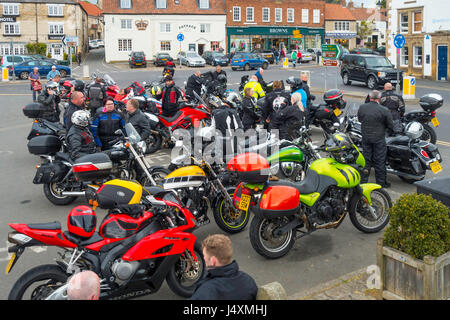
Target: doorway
<point>201,49</point>
<point>442,56</point>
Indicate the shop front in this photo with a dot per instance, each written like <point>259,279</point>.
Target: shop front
<point>347,40</point>
<point>264,38</point>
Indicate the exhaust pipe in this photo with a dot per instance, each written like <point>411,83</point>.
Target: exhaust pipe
<point>406,175</point>
<point>73,193</point>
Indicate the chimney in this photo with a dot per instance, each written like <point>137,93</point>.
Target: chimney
<point>343,3</point>
<point>362,5</point>
<point>351,5</point>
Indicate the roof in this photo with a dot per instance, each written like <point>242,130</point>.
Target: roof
<point>91,9</point>
<point>41,1</point>
<point>371,14</point>
<point>186,7</point>
<point>338,12</point>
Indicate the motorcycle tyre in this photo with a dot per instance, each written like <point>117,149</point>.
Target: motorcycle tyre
<point>46,271</point>
<point>62,201</point>
<point>431,132</point>
<point>156,145</point>
<point>176,286</point>
<point>352,212</point>
<point>256,243</point>
<point>217,213</point>
<point>144,181</point>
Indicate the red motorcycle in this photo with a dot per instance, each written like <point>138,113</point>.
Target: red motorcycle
<point>133,251</point>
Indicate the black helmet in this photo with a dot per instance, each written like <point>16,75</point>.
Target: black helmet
<point>335,97</point>
<point>222,78</point>
<point>78,85</point>
<point>340,147</point>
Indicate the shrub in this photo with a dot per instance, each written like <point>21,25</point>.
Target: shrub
<point>36,48</point>
<point>419,226</point>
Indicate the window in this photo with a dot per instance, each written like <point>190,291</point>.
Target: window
<point>404,56</point>
<point>250,14</point>
<point>165,45</point>
<point>10,9</point>
<point>161,4</point>
<point>417,59</point>
<point>125,23</point>
<point>191,46</point>
<point>404,23</point>
<point>417,21</point>
<point>125,4</point>
<point>205,28</point>
<point>56,28</point>
<point>11,28</point>
<point>305,16</point>
<point>165,27</point>
<point>125,45</point>
<point>215,45</point>
<point>204,4</point>
<point>55,10</point>
<point>236,13</point>
<point>342,26</point>
<point>316,16</point>
<point>266,14</point>
<point>290,15</point>
<point>278,14</point>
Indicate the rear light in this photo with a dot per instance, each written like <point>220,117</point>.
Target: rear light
<point>424,154</point>
<point>433,113</point>
<point>246,191</point>
<point>242,60</point>
<point>84,168</point>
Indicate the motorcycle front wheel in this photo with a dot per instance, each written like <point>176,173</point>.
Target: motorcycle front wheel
<point>183,277</point>
<point>227,219</point>
<point>154,142</point>
<point>38,283</point>
<point>361,216</point>
<point>265,242</point>
<point>53,193</point>
<point>157,174</point>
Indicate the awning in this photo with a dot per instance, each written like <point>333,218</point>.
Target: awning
<point>340,35</point>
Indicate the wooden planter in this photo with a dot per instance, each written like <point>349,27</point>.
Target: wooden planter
<point>404,278</point>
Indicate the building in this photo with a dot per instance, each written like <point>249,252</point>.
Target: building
<point>261,24</point>
<point>48,22</point>
<point>95,20</point>
<point>425,25</point>
<point>375,19</point>
<point>153,26</point>
<point>340,25</point>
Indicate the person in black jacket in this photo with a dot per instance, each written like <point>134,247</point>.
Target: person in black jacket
<point>375,120</point>
<point>287,116</point>
<point>76,103</point>
<point>96,93</point>
<point>224,280</point>
<point>106,122</point>
<point>50,100</point>
<point>267,109</point>
<point>218,72</point>
<point>194,84</point>
<point>169,97</point>
<point>250,117</point>
<point>138,119</point>
<point>395,104</point>
<point>80,140</point>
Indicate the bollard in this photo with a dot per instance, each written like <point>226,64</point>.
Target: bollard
<point>285,62</point>
<point>5,74</point>
<point>271,291</point>
<point>409,88</point>
<point>85,71</point>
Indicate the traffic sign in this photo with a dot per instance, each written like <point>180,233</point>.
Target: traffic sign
<point>399,41</point>
<point>180,37</point>
<point>331,52</point>
<point>70,41</point>
<point>330,63</point>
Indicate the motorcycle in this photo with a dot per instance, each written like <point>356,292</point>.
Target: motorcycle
<point>64,180</point>
<point>285,211</point>
<point>157,245</point>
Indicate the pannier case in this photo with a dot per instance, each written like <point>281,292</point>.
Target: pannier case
<point>47,145</point>
<point>250,167</point>
<point>33,110</point>
<point>92,167</point>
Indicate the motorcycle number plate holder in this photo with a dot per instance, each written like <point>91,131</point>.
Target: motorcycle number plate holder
<point>245,202</point>
<point>11,263</point>
<point>337,112</point>
<point>435,166</point>
<point>435,122</point>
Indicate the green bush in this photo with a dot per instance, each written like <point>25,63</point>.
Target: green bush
<point>36,48</point>
<point>419,226</point>
<point>66,56</point>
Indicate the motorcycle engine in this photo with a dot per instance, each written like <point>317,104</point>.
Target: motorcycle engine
<point>331,208</point>
<point>198,205</point>
<point>123,270</point>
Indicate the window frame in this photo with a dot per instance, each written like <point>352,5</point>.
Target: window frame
<point>415,56</point>
<point>54,24</point>
<point>58,7</point>
<point>414,22</point>
<point>200,4</point>
<point>234,13</point>
<point>316,14</point>
<point>126,44</point>
<point>401,27</point>
<point>280,11</point>
<point>128,26</point>
<point>205,27</point>
<point>252,10</point>
<point>160,7</point>
<point>164,48</point>
<point>166,30</point>
<point>268,14</point>
<point>292,11</point>
<point>11,5</point>
<point>307,15</point>
<point>6,25</point>
<point>403,55</point>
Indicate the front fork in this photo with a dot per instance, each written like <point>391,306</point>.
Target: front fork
<point>364,190</point>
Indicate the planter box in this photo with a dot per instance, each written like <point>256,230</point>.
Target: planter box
<point>405,278</point>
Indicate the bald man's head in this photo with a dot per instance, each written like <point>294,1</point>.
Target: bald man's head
<point>84,285</point>
<point>388,86</point>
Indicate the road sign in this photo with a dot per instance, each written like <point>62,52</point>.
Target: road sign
<point>399,41</point>
<point>331,51</point>
<point>180,37</point>
<point>70,41</point>
<point>330,63</point>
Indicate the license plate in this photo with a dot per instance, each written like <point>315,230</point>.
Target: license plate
<point>337,112</point>
<point>435,166</point>
<point>245,202</point>
<point>11,263</point>
<point>163,59</point>
<point>435,122</point>
<point>394,81</point>
<point>138,64</point>
<point>235,61</point>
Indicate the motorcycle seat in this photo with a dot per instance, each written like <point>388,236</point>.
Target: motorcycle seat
<point>397,140</point>
<point>309,185</point>
<point>82,242</point>
<point>64,156</point>
<point>152,190</point>
<point>56,225</point>
<point>170,119</point>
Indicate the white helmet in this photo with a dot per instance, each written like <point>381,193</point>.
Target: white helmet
<point>414,130</point>
<point>80,118</point>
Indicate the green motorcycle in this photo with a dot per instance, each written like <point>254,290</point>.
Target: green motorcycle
<point>285,211</point>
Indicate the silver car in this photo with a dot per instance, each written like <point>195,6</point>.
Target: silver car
<point>191,59</point>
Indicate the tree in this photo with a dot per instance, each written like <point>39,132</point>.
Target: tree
<point>36,48</point>
<point>333,1</point>
<point>365,29</point>
<point>382,4</point>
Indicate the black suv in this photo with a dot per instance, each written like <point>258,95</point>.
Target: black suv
<point>371,69</point>
<point>137,58</point>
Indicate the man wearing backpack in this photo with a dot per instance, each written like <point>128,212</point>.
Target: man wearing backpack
<point>267,109</point>
<point>95,94</point>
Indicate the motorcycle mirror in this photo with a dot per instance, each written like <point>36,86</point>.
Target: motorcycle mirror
<point>118,132</point>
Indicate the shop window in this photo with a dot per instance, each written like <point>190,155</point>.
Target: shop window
<point>236,13</point>
<point>404,56</point>
<point>417,21</point>
<point>266,14</point>
<point>418,55</point>
<point>250,14</point>
<point>165,46</point>
<point>404,20</point>
<point>125,45</point>
<point>215,45</point>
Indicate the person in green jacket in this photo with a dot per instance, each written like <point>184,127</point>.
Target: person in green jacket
<point>294,58</point>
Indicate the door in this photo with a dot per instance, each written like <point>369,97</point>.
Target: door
<point>442,62</point>
<point>201,48</point>
<point>359,73</point>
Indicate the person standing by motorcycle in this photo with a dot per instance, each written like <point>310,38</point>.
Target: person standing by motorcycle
<point>396,106</point>
<point>375,120</point>
<point>76,103</point>
<point>267,109</point>
<point>250,118</point>
<point>80,140</point>
<point>50,101</point>
<point>169,97</point>
<point>96,93</point>
<point>35,79</point>
<point>287,116</point>
<point>138,119</point>
<point>218,72</point>
<point>224,280</point>
<point>256,87</point>
<point>106,122</point>
<point>194,84</point>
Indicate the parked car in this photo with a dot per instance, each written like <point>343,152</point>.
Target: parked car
<point>100,43</point>
<point>54,61</point>
<point>93,44</point>
<point>137,58</point>
<point>7,60</point>
<point>161,58</point>
<point>25,68</point>
<point>381,51</point>
<point>215,58</point>
<point>247,61</point>
<point>373,70</point>
<point>191,59</point>
<point>266,54</point>
<point>363,51</point>
<point>306,56</point>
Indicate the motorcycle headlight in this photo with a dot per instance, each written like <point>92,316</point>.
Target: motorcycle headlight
<point>142,145</point>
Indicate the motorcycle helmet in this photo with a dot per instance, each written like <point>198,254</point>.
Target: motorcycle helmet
<point>231,98</point>
<point>51,85</point>
<point>222,78</point>
<point>155,89</point>
<point>78,84</point>
<point>335,97</point>
<point>340,147</point>
<point>279,102</point>
<point>80,118</point>
<point>414,130</point>
<point>81,222</point>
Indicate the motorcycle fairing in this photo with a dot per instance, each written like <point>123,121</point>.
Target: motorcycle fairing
<point>367,189</point>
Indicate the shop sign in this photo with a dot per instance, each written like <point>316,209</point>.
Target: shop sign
<point>56,36</point>
<point>187,27</point>
<point>288,31</point>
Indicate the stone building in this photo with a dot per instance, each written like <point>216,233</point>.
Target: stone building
<point>340,25</point>
<point>95,20</point>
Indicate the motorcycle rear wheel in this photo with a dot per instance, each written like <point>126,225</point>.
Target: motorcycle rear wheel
<point>52,195</point>
<point>192,275</point>
<point>428,134</point>
<point>361,217</point>
<point>224,219</point>
<point>153,142</point>
<point>52,275</point>
<point>265,242</point>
